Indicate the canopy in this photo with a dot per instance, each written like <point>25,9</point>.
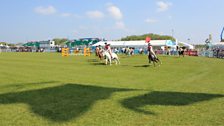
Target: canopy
<point>137,43</point>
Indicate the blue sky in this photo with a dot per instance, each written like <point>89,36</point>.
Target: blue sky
<point>27,20</point>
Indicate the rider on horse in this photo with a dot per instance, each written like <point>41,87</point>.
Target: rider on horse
<point>150,50</point>
<point>108,48</point>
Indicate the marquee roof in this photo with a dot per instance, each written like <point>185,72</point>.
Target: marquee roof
<point>133,43</point>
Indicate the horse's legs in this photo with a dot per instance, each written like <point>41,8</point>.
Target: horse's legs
<point>154,64</point>
<point>106,61</point>
<point>159,61</point>
<point>110,60</point>
<point>149,58</point>
<point>118,60</point>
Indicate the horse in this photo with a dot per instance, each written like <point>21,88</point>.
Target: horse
<point>181,52</point>
<point>99,53</point>
<point>154,59</point>
<point>108,57</point>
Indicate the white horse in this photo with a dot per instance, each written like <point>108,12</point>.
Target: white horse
<point>108,57</point>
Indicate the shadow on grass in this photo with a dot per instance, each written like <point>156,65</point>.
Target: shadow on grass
<point>93,60</point>
<point>96,62</point>
<point>143,66</point>
<point>99,64</point>
<point>166,99</point>
<point>60,103</point>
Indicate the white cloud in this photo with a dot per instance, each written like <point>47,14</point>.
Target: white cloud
<point>95,14</point>
<point>163,6</point>
<point>45,10</point>
<point>120,25</point>
<point>115,12</point>
<point>150,20</point>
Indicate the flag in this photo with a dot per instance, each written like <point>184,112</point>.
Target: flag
<point>147,39</point>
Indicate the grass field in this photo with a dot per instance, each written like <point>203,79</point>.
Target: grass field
<point>47,89</point>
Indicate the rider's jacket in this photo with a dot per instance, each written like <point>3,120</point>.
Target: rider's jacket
<point>106,47</point>
<point>149,48</point>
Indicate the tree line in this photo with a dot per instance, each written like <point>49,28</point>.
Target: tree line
<point>60,41</point>
<point>5,43</point>
<point>151,35</point>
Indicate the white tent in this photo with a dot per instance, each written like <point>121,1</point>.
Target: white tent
<point>218,43</point>
<point>140,43</point>
<point>187,45</point>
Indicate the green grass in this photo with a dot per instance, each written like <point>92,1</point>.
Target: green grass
<point>47,89</point>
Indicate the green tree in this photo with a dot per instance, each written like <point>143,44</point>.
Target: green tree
<point>4,43</point>
<point>12,45</point>
<point>60,41</point>
<point>152,36</point>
